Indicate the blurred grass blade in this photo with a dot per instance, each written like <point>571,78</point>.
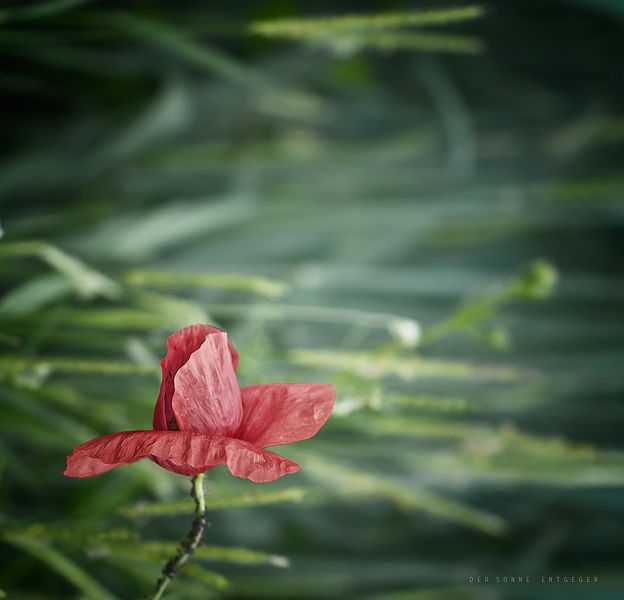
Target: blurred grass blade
<point>16,365</point>
<point>277,99</point>
<point>87,281</point>
<point>401,327</point>
<point>172,311</point>
<point>170,112</point>
<point>39,10</point>
<point>162,550</point>
<point>438,403</point>
<point>63,566</point>
<point>145,235</point>
<point>209,578</point>
<point>45,532</point>
<point>355,483</point>
<point>380,401</point>
<point>216,502</point>
<point>336,26</point>
<point>440,429</point>
<point>227,281</point>
<point>35,294</point>
<point>150,311</point>
<point>241,555</point>
<point>351,43</point>
<point>371,365</point>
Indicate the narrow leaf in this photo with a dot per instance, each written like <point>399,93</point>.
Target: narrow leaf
<point>328,26</point>
<point>258,285</point>
<point>87,281</point>
<point>62,565</point>
<point>216,502</point>
<point>209,578</point>
<point>355,483</point>
<point>373,365</point>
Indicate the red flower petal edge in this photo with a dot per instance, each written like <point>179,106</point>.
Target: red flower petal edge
<point>203,419</point>
<point>187,453</point>
<point>281,413</point>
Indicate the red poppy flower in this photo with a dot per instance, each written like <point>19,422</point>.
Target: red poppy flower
<point>203,419</point>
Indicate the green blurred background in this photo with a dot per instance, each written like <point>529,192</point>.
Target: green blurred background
<point>423,208</point>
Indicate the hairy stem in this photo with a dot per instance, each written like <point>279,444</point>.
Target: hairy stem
<point>190,542</point>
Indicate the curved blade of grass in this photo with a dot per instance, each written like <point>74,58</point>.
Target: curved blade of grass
<point>21,412</point>
<point>280,100</point>
<point>62,565</point>
<point>35,294</point>
<point>88,282</point>
<point>355,483</point>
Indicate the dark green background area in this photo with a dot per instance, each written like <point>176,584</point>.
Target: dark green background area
<point>162,165</point>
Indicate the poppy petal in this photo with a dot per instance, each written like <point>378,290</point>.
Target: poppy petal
<point>180,346</point>
<point>186,453</point>
<point>281,413</point>
<point>207,397</point>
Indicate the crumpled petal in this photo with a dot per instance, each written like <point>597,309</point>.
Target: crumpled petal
<point>281,413</point>
<point>186,453</point>
<point>207,397</point>
<point>180,346</point>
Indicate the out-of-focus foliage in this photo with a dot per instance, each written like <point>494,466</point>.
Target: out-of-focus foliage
<point>419,204</point>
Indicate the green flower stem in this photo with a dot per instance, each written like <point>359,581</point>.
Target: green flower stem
<point>190,542</point>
